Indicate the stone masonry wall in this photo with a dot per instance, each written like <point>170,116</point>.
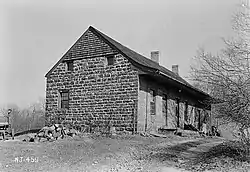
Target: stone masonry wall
<point>98,94</point>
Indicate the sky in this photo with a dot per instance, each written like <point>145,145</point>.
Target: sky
<point>36,33</point>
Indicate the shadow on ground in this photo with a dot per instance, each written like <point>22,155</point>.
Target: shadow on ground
<point>200,155</point>
<point>225,156</point>
<point>230,149</point>
<point>172,153</point>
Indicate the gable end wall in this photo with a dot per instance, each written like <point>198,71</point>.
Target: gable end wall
<point>99,94</point>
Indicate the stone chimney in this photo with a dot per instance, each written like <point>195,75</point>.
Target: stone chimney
<point>175,69</point>
<point>155,56</point>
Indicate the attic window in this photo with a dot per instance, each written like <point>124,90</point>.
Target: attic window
<point>70,66</point>
<point>110,60</point>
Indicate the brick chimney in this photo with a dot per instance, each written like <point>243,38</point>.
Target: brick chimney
<point>175,69</point>
<point>155,56</point>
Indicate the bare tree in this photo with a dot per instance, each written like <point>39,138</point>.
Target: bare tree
<point>226,76</point>
<point>32,117</point>
<point>39,105</point>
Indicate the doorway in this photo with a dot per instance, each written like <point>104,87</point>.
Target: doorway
<point>165,109</point>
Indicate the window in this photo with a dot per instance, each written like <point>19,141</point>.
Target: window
<point>110,60</point>
<point>64,99</point>
<point>70,66</point>
<point>152,102</point>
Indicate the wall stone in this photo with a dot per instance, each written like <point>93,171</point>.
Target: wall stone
<point>191,115</point>
<point>142,107</point>
<point>182,111</point>
<point>98,94</point>
<point>101,94</point>
<point>172,117</point>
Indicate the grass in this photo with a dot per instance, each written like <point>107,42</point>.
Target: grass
<point>115,153</point>
<point>227,156</point>
<point>71,154</point>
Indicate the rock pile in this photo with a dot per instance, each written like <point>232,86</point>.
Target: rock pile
<point>52,133</point>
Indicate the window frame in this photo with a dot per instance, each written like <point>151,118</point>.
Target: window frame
<point>112,61</point>
<point>70,65</point>
<point>64,99</point>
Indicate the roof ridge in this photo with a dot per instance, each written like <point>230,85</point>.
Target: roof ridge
<point>104,36</point>
<point>134,56</point>
<point>142,60</point>
<point>152,64</point>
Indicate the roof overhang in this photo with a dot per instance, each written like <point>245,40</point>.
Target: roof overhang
<point>162,77</point>
<point>201,97</point>
<point>187,87</point>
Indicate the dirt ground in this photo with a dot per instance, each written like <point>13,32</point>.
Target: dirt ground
<point>106,154</point>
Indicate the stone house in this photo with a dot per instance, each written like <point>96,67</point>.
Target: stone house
<point>100,81</point>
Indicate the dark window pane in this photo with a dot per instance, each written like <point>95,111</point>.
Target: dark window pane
<point>65,104</point>
<point>65,96</point>
<point>152,95</point>
<point>152,108</point>
<point>70,66</point>
<point>65,99</point>
<point>110,60</point>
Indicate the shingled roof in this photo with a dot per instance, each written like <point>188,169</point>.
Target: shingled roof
<point>144,61</point>
<point>138,59</point>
